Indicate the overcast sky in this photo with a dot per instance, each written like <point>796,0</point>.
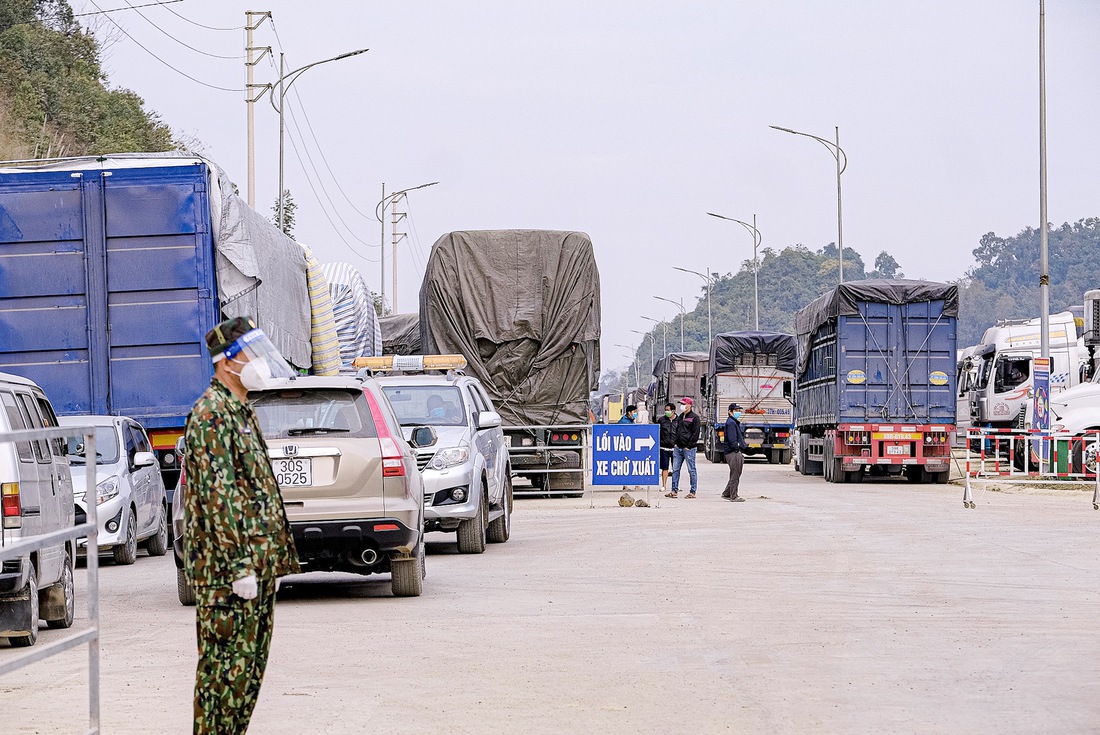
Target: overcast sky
<point>629,120</point>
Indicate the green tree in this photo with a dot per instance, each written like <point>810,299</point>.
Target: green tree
<point>289,208</point>
<point>886,267</point>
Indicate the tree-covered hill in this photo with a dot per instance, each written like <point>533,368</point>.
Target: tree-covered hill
<point>54,99</point>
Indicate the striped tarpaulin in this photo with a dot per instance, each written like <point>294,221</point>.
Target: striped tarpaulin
<point>326,345</point>
<point>353,307</point>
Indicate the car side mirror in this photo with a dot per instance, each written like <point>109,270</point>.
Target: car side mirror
<point>144,459</point>
<point>488,420</point>
<point>423,436</point>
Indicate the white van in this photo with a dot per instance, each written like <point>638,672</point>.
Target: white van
<point>36,497</point>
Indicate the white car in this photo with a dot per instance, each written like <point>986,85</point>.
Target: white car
<point>132,505</point>
<point>1077,411</point>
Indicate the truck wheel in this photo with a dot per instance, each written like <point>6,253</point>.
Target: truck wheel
<point>785,456</point>
<point>938,478</point>
<point>773,456</point>
<point>184,590</point>
<point>914,473</point>
<point>716,457</point>
<point>66,590</point>
<point>471,532</point>
<point>407,576</point>
<point>500,530</point>
<point>834,466</point>
<point>157,545</point>
<point>126,552</point>
<point>803,456</point>
<point>31,609</point>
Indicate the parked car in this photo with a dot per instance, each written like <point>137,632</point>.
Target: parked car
<point>467,475</point>
<point>348,478</point>
<point>36,497</point>
<point>131,502</point>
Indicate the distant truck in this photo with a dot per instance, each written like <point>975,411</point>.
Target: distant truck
<point>999,394</point>
<point>523,308</point>
<point>875,380</point>
<point>113,269</point>
<point>678,375</point>
<point>756,371</point>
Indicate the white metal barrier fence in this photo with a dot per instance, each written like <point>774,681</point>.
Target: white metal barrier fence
<point>88,529</point>
<point>544,448</point>
<point>1022,457</point>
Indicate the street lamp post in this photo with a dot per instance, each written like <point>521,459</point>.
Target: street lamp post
<point>283,84</point>
<point>378,211</point>
<point>644,335</point>
<point>664,338</point>
<point>757,238</point>
<point>679,305</point>
<point>841,164</point>
<point>1044,269</point>
<point>707,279</point>
<point>633,359</point>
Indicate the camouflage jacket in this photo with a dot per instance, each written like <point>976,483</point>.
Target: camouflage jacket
<point>234,521</point>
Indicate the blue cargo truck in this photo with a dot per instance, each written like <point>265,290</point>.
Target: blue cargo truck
<point>875,381</point>
<point>110,277</point>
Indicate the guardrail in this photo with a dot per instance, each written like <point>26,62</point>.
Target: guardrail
<point>548,450</point>
<point>90,529</point>
<point>1023,457</point>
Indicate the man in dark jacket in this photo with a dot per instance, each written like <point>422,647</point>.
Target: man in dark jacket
<point>629,415</point>
<point>733,443</point>
<point>685,431</point>
<point>668,442</point>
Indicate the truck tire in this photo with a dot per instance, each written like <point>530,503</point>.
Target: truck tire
<point>716,457</point>
<point>785,456</point>
<point>914,473</point>
<point>184,590</point>
<point>471,532</point>
<point>834,466</point>
<point>500,530</point>
<point>31,606</point>
<point>63,610</point>
<point>407,576</point>
<point>774,456</point>
<point>803,455</point>
<point>938,478</point>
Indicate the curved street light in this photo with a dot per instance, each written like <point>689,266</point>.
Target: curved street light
<point>378,209</point>
<point>634,359</point>
<point>283,82</point>
<point>841,164</point>
<point>679,305</point>
<point>707,280</point>
<point>757,238</point>
<point>664,328</point>
<point>644,335</point>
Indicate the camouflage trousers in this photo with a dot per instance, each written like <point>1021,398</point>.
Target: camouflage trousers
<point>234,640</point>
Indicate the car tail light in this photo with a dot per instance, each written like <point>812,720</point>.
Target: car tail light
<point>393,461</point>
<point>12,508</point>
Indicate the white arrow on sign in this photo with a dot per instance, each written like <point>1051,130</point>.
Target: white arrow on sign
<point>646,442</point>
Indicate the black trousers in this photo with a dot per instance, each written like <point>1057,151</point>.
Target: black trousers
<point>736,462</point>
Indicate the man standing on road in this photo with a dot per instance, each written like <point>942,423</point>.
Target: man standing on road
<point>733,443</point>
<point>668,442</point>
<point>685,429</point>
<point>237,541</point>
<point>629,414</point>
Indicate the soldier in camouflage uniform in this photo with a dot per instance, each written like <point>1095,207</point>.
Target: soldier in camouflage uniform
<point>237,538</point>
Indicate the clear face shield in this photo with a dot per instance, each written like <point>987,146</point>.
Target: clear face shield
<point>264,363</point>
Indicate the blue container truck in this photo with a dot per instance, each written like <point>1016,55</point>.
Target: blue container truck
<point>109,281</point>
<point>875,381</point>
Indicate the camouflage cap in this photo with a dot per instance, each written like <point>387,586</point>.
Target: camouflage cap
<point>226,333</point>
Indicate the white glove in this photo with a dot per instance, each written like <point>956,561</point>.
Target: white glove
<point>246,588</point>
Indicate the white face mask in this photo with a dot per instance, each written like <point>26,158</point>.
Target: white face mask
<point>682,408</point>
<point>255,375</point>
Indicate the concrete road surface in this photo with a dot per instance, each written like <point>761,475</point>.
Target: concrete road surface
<point>881,607</point>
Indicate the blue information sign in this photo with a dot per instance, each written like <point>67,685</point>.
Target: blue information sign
<point>625,454</point>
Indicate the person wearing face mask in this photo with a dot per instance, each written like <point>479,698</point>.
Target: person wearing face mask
<point>437,411</point>
<point>237,541</point>
<point>686,436</point>
<point>733,444</point>
<point>668,442</point>
<point>629,415</point>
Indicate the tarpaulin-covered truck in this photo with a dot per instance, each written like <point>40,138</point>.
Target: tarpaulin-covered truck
<point>400,334</point>
<point>678,375</point>
<point>875,380</point>
<point>756,371</point>
<point>523,308</point>
<point>113,269</point>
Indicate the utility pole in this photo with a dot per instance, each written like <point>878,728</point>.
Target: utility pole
<point>382,251</point>
<point>250,61</point>
<point>1044,270</point>
<point>839,215</point>
<point>282,99</point>
<point>395,237</point>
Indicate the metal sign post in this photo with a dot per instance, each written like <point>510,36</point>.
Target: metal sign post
<point>626,454</point>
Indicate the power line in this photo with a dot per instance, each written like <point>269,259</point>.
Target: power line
<point>196,23</point>
<point>182,43</point>
<point>178,71</point>
<point>131,7</point>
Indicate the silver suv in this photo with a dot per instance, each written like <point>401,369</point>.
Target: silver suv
<point>467,475</point>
